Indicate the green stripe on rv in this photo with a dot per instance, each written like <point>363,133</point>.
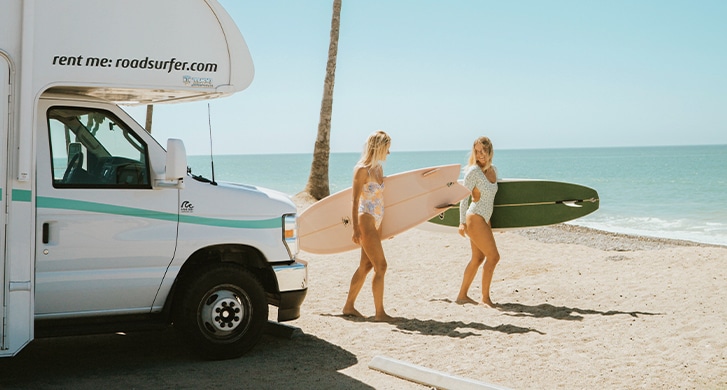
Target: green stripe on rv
<point>231,223</point>
<point>21,195</point>
<point>67,204</point>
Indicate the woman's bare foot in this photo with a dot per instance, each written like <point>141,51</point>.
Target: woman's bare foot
<point>351,312</point>
<point>488,302</point>
<point>384,318</point>
<point>466,300</point>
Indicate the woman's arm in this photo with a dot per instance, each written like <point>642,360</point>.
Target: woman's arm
<point>464,204</point>
<point>360,176</point>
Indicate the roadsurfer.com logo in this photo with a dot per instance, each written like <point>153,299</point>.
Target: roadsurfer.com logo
<point>202,82</point>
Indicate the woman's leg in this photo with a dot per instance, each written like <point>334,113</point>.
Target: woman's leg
<point>481,236</point>
<point>469,275</point>
<point>371,245</point>
<point>357,282</point>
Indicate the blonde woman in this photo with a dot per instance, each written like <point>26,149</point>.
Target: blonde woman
<point>367,214</point>
<point>481,179</point>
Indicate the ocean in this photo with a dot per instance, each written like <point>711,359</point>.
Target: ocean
<point>677,192</point>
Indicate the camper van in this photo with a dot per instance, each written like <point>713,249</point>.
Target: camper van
<point>104,229</point>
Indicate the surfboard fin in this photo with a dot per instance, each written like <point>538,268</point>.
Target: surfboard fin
<point>572,203</point>
<point>427,173</point>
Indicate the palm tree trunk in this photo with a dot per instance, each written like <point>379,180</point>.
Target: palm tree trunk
<point>318,185</point>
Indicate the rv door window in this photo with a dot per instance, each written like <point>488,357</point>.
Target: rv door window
<point>91,148</point>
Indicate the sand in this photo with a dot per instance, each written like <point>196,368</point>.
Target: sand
<point>579,308</point>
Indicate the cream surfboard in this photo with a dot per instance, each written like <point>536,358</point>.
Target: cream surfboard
<point>410,198</point>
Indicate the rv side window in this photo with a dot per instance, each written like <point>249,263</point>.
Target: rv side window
<point>91,148</point>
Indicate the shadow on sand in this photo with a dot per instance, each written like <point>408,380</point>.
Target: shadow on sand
<point>158,360</point>
<point>456,329</point>
<point>546,310</point>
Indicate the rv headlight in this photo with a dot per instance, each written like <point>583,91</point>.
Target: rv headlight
<point>290,234</point>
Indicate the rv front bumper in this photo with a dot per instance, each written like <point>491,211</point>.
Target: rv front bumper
<point>293,285</point>
<point>289,305</point>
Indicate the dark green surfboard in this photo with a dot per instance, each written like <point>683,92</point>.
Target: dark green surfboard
<point>528,203</point>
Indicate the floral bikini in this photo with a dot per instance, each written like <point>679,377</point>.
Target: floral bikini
<point>371,201</point>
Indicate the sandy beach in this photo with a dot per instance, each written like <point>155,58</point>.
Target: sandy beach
<point>598,312</point>
<point>578,309</point>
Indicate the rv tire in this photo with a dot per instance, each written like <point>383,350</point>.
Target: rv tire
<point>222,312</point>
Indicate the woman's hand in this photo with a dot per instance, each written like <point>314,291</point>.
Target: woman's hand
<point>462,229</point>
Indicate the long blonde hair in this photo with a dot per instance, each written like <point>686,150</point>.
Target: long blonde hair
<point>487,146</point>
<point>375,150</point>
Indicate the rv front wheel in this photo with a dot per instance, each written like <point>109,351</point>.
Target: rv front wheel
<point>222,312</point>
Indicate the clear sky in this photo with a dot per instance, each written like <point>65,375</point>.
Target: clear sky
<point>436,74</point>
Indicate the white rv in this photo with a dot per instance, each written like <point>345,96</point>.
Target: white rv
<point>103,229</point>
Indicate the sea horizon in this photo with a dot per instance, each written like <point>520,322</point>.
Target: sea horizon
<point>207,155</point>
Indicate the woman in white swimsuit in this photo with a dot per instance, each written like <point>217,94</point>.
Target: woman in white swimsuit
<point>474,221</point>
<point>367,213</point>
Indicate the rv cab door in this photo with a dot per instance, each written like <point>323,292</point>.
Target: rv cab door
<point>16,329</point>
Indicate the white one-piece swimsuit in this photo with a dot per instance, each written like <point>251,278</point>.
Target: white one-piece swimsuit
<point>475,178</point>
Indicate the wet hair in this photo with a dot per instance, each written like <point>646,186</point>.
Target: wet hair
<point>487,146</point>
<point>375,149</point>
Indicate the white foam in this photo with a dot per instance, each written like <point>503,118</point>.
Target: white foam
<point>681,229</point>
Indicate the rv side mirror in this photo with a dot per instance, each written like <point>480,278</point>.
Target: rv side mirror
<point>176,160</point>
